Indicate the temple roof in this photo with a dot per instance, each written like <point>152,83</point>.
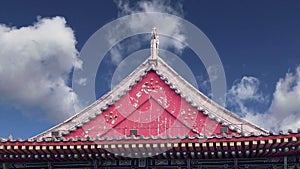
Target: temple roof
<point>158,69</point>
<point>153,86</point>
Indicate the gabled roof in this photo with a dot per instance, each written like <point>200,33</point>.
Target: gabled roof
<point>155,66</point>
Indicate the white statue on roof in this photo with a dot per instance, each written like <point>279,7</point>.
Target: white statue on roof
<point>154,44</point>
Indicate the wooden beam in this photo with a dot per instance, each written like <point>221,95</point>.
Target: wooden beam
<point>218,146</point>
<point>261,144</point>
<point>254,144</point>
<point>225,146</point>
<point>197,147</point>
<point>269,143</point>
<point>204,146</point>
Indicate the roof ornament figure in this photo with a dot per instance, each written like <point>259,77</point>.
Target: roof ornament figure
<point>154,44</point>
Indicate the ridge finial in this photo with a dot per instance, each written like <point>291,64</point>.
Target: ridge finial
<point>154,44</point>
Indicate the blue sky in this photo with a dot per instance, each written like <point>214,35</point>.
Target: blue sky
<point>257,42</point>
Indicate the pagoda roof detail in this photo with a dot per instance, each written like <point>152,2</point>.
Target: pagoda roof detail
<point>174,87</point>
<point>269,145</point>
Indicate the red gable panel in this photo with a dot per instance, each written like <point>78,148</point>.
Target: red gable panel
<point>150,108</point>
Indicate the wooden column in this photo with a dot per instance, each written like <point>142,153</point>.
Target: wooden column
<point>236,165</point>
<point>285,166</point>
<point>95,164</point>
<point>188,163</point>
<point>5,166</point>
<point>50,165</point>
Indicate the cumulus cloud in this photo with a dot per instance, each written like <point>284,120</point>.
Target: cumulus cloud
<point>247,91</point>
<point>244,91</point>
<point>286,98</point>
<point>35,63</point>
<point>284,111</point>
<point>171,25</point>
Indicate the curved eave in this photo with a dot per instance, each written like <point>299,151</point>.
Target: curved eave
<point>191,147</point>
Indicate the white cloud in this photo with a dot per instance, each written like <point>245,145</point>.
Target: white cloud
<point>247,89</point>
<point>213,72</point>
<point>167,6</point>
<point>171,25</point>
<point>82,81</point>
<point>116,56</point>
<point>284,112</point>
<point>244,91</point>
<point>286,98</point>
<point>35,63</point>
